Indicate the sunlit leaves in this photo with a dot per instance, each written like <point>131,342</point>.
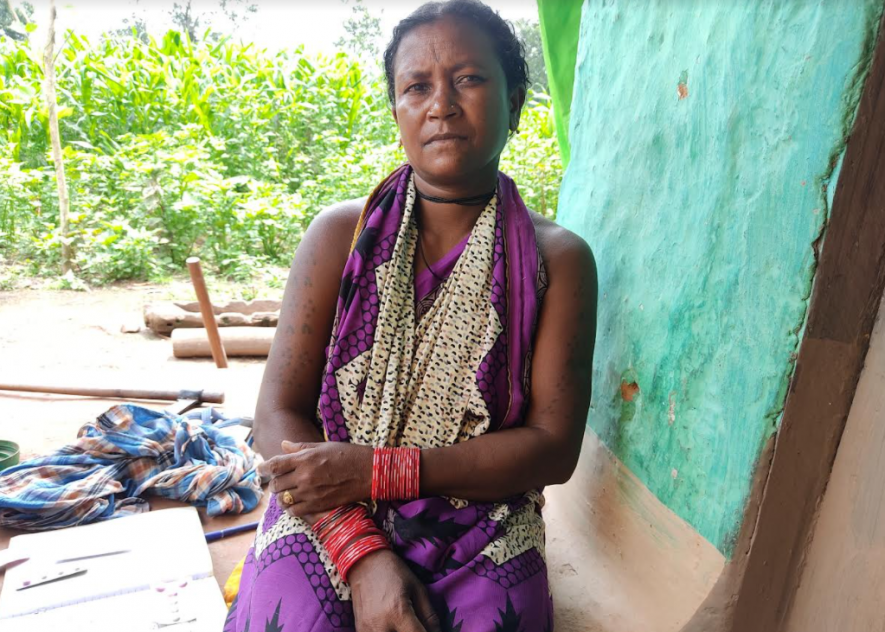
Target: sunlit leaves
<point>217,149</point>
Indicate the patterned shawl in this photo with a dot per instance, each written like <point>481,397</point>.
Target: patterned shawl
<point>463,368</point>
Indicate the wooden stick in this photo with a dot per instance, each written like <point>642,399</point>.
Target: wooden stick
<point>55,139</point>
<point>218,354</point>
<point>210,397</point>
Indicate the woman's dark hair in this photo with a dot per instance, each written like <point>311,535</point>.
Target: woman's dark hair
<point>511,52</point>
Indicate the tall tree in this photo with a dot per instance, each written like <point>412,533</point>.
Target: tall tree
<point>14,18</point>
<point>55,138</point>
<point>135,26</point>
<point>529,31</point>
<point>187,18</point>
<point>362,33</point>
<point>194,21</point>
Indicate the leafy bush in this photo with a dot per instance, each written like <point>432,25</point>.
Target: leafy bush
<point>532,156</point>
<point>174,149</point>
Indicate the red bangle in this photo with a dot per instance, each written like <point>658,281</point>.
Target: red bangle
<point>348,534</point>
<point>328,521</point>
<point>396,474</point>
<point>347,531</point>
<point>358,550</point>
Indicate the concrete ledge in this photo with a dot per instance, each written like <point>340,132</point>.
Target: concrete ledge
<point>620,561</point>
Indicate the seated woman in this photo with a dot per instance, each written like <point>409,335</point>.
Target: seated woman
<point>408,456</point>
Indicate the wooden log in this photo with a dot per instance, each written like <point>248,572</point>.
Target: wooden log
<point>163,318</point>
<point>265,319</point>
<point>233,319</point>
<point>242,307</point>
<point>215,343</point>
<point>238,341</point>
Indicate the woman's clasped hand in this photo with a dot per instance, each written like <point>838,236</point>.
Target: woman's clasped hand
<point>322,476</point>
<point>319,476</point>
<point>388,597</point>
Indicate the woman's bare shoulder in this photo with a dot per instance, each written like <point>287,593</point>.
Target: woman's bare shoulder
<point>573,283</point>
<point>560,247</point>
<point>330,233</point>
<point>340,218</point>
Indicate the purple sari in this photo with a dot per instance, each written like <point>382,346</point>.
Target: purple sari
<point>452,362</point>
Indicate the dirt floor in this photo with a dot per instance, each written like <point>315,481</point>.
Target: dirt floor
<point>75,338</point>
<point>618,560</point>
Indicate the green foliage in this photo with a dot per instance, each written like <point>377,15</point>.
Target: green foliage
<point>529,31</point>
<point>189,19</point>
<point>198,22</point>
<point>531,157</point>
<point>362,33</point>
<point>15,19</point>
<point>214,149</point>
<point>69,282</point>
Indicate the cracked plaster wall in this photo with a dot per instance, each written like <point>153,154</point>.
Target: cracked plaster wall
<point>705,140</point>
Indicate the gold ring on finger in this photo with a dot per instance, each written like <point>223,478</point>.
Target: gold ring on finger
<point>287,498</point>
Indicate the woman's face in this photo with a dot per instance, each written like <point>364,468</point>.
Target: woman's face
<point>452,105</point>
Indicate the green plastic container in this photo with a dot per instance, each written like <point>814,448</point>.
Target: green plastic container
<point>8,454</point>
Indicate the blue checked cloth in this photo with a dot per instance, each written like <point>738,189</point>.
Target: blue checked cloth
<point>128,452</point>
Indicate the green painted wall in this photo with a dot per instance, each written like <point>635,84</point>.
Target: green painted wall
<point>704,137</point>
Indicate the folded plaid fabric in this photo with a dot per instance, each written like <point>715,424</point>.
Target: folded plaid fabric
<point>128,452</point>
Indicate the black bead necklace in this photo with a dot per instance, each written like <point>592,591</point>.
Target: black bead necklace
<point>473,200</point>
<point>421,247</point>
<point>427,263</point>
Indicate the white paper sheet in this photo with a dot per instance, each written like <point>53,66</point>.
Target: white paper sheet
<point>118,590</point>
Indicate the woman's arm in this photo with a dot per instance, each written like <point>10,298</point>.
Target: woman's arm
<point>286,406</point>
<point>385,592</point>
